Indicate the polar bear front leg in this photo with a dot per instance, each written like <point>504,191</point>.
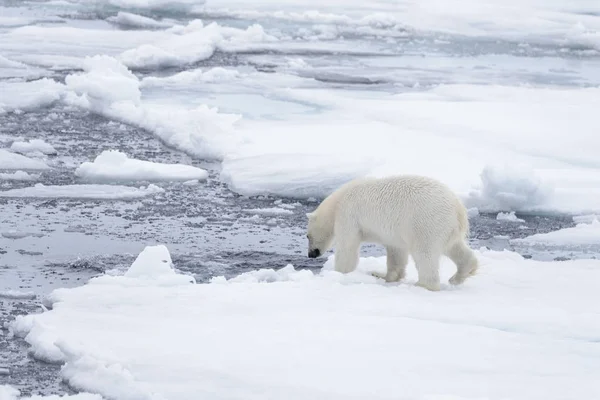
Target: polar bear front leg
<point>427,263</point>
<point>346,253</point>
<point>397,258</point>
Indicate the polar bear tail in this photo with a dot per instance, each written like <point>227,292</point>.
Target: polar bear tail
<point>463,220</point>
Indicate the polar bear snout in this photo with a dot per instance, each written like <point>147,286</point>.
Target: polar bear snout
<point>314,253</point>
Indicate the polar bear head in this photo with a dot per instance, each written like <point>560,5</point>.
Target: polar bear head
<point>320,234</point>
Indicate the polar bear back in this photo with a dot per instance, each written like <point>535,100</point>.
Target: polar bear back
<point>403,210</point>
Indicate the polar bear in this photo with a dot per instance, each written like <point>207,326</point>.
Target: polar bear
<point>408,214</point>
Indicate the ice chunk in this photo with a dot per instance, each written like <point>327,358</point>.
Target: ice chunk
<point>96,192</point>
<point>192,43</point>
<point>510,188</point>
<point>27,96</point>
<point>127,19</point>
<point>510,216</point>
<point>269,211</point>
<point>33,146</point>
<point>16,294</point>
<point>10,160</point>
<point>114,166</point>
<point>152,262</point>
<point>583,234</point>
<point>18,176</point>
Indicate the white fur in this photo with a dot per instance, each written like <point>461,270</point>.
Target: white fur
<point>409,215</point>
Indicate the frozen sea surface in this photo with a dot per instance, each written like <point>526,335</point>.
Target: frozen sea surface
<point>279,102</point>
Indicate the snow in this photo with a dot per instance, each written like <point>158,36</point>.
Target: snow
<point>522,326</point>
<point>115,166</point>
<point>212,75</point>
<point>33,146</point>
<point>10,160</point>
<point>25,96</point>
<point>583,234</point>
<point>93,191</point>
<point>18,176</point>
<point>289,175</point>
<point>130,20</point>
<point>192,43</point>
<point>153,263</point>
<point>269,211</point>
<point>510,217</point>
<point>8,392</point>
<point>109,88</point>
<point>19,234</point>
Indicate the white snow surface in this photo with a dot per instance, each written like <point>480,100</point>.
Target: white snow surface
<point>92,191</point>
<point>520,330</point>
<point>33,146</point>
<point>115,166</point>
<point>9,160</point>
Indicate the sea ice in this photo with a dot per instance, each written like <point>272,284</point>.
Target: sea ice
<point>18,176</point>
<point>583,234</point>
<point>96,192</point>
<point>115,166</point>
<point>10,160</point>
<point>130,20</point>
<point>521,327</point>
<point>33,146</point>
<point>510,216</point>
<point>25,96</point>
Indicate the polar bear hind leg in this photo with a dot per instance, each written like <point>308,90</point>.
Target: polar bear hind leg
<point>465,260</point>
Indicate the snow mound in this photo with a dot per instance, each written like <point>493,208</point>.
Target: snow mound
<point>192,43</point>
<point>131,20</point>
<point>10,160</point>
<point>33,146</point>
<point>521,329</point>
<point>95,192</point>
<point>155,263</point>
<point>28,96</point>
<point>18,176</point>
<point>510,217</point>
<point>509,189</point>
<point>113,165</point>
<point>583,234</point>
